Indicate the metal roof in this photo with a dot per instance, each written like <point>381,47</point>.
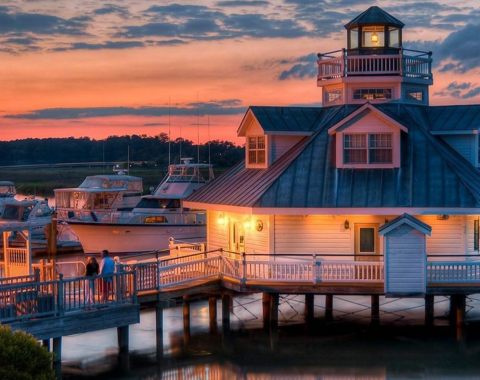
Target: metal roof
<point>454,118</point>
<point>374,15</point>
<point>432,174</point>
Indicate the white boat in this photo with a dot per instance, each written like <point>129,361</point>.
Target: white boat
<point>7,192</point>
<point>98,195</point>
<point>155,219</point>
<point>33,213</point>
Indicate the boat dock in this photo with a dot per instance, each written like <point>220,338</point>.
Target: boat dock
<point>55,308</point>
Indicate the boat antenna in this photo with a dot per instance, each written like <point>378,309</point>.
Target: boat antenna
<point>198,130</point>
<point>208,124</point>
<point>128,160</point>
<point>169,138</point>
<point>181,139</point>
<point>103,151</point>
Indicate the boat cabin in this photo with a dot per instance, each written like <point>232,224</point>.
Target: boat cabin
<point>374,174</point>
<point>98,194</point>
<point>7,189</point>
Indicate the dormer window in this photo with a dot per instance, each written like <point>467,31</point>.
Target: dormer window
<point>256,150</point>
<point>377,151</point>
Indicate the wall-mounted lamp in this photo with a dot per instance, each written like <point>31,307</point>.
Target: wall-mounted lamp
<point>346,225</point>
<point>247,224</point>
<point>386,220</point>
<point>443,217</point>
<point>221,219</point>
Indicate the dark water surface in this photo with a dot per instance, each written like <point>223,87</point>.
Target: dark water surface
<point>348,348</point>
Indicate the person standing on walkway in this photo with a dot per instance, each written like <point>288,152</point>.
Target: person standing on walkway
<point>107,267</point>
<point>91,272</point>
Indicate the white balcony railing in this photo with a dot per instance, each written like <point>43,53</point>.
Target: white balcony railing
<point>416,65</point>
<point>453,272</point>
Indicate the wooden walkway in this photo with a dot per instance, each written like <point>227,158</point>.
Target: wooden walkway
<point>52,309</point>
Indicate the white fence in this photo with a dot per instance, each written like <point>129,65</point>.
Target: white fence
<point>458,272</point>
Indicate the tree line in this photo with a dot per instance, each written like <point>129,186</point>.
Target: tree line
<point>148,150</point>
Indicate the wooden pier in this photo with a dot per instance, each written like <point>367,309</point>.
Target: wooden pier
<point>52,309</point>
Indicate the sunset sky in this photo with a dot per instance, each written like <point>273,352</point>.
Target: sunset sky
<point>116,67</point>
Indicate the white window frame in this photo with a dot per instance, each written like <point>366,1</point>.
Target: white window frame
<point>256,150</point>
<point>367,148</point>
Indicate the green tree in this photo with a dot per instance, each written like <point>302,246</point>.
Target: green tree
<point>22,358</point>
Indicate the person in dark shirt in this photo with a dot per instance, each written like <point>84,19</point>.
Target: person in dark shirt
<point>92,271</point>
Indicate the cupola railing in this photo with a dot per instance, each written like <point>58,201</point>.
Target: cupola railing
<point>407,63</point>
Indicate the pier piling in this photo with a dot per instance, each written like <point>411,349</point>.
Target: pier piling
<point>309,308</point>
<point>122,337</point>
<point>266,310</point>
<point>375,309</point>
<point>328,307</point>
<point>429,309</point>
<point>212,313</point>
<point>226,312</point>
<point>159,328</point>
<point>57,349</point>
<point>186,320</point>
<point>274,297</point>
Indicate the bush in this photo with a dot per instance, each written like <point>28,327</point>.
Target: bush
<point>22,358</point>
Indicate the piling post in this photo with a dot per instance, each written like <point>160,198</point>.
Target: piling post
<point>429,309</point>
<point>328,307</point>
<point>375,309</point>
<point>159,328</point>
<point>225,312</point>
<point>122,338</point>
<point>274,297</point>
<point>309,307</point>
<point>46,344</point>
<point>212,313</point>
<point>460,309</point>
<point>57,349</point>
<point>266,310</point>
<point>186,320</point>
<point>51,230</point>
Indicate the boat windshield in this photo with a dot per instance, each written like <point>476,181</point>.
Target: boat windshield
<point>6,190</point>
<point>11,212</point>
<point>158,203</point>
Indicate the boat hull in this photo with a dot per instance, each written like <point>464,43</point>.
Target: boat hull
<point>134,238</point>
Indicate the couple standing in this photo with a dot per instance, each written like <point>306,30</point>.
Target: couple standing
<point>106,268</point>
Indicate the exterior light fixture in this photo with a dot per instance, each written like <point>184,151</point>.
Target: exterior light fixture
<point>247,224</point>
<point>221,219</point>
<point>259,225</point>
<point>346,225</point>
<point>374,38</point>
<point>443,217</point>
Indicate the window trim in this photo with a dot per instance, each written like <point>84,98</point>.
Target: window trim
<point>256,150</point>
<point>367,148</point>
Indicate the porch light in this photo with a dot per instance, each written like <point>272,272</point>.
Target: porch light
<point>346,225</point>
<point>247,224</point>
<point>374,38</point>
<point>221,219</point>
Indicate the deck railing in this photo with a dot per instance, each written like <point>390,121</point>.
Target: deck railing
<point>408,63</point>
<point>177,271</point>
<point>34,299</point>
<point>453,272</point>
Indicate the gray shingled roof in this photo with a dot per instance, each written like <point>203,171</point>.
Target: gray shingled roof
<point>432,174</point>
<point>374,15</point>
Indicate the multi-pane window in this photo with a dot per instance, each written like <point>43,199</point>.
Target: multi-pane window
<point>372,93</point>
<point>415,95</point>
<point>256,150</point>
<point>333,96</point>
<point>371,148</point>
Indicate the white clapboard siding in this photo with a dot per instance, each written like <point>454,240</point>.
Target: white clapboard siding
<point>312,234</point>
<point>369,123</point>
<point>471,234</point>
<point>257,241</point>
<point>463,144</point>
<point>217,236</point>
<point>282,144</point>
<point>405,261</point>
<point>448,236</point>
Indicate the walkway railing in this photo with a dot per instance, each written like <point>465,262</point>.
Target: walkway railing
<point>449,272</point>
<point>34,299</point>
<point>180,270</point>
<point>408,63</point>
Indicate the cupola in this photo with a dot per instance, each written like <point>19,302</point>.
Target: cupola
<point>374,67</point>
<point>374,32</point>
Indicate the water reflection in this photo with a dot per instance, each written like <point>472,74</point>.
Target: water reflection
<point>349,348</point>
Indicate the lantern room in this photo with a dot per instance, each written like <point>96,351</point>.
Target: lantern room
<point>374,32</point>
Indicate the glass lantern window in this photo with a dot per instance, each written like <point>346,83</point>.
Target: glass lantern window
<point>394,35</point>
<point>353,38</point>
<point>373,36</point>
